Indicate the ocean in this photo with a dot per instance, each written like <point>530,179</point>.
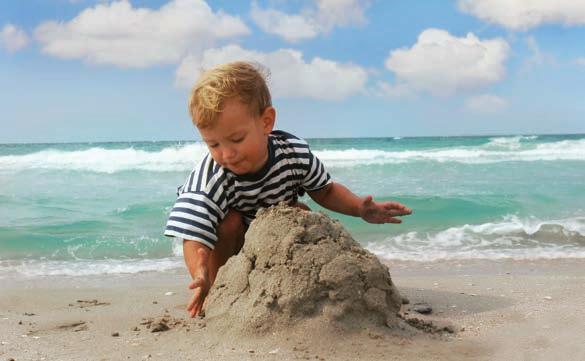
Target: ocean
<point>84,209</point>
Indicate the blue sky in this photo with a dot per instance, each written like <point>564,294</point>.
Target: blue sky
<point>82,70</point>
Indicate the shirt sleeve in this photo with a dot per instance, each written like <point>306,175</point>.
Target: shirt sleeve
<point>195,216</point>
<point>317,176</point>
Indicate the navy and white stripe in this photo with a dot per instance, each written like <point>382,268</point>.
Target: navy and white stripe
<point>211,190</point>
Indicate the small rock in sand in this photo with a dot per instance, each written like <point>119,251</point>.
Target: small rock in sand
<point>164,323</point>
<point>90,303</point>
<point>429,327</point>
<point>169,293</point>
<point>75,326</point>
<point>160,327</point>
<point>548,298</point>
<point>116,334</point>
<point>422,308</point>
<point>374,335</point>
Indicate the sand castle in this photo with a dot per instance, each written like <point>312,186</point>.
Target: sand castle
<point>300,268</point>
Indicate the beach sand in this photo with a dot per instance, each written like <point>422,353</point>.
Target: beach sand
<point>500,310</point>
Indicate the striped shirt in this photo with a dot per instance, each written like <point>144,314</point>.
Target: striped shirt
<point>211,190</point>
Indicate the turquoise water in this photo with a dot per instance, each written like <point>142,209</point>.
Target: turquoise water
<point>91,208</point>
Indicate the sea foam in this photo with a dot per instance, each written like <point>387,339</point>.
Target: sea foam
<point>102,160</point>
<point>182,158</point>
<point>38,268</point>
<point>513,237</point>
<point>496,151</point>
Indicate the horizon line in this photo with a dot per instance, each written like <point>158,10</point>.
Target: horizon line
<point>306,138</point>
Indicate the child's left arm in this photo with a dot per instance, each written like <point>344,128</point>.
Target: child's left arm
<point>338,198</point>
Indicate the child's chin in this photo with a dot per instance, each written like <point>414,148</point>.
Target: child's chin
<point>238,170</point>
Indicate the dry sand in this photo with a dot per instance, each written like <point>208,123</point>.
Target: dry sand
<point>499,310</point>
<point>502,306</point>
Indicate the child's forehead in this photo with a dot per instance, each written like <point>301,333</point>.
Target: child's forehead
<point>225,128</point>
<point>235,107</point>
<point>225,133</point>
<point>234,118</point>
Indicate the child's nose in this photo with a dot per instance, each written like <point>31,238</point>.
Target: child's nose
<point>229,152</point>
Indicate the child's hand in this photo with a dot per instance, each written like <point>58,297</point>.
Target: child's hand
<point>375,212</point>
<point>201,287</point>
<point>200,284</point>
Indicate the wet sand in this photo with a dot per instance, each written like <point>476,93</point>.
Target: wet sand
<point>499,310</point>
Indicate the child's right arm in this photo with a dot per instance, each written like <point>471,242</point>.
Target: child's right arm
<point>196,257</point>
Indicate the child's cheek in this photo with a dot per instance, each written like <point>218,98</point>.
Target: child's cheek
<point>216,155</point>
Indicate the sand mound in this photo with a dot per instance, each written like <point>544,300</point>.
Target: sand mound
<point>301,268</point>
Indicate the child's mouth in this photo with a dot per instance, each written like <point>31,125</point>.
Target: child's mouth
<point>234,164</point>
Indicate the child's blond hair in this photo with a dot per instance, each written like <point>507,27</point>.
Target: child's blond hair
<point>242,80</point>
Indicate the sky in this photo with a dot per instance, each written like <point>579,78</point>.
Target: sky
<point>95,70</point>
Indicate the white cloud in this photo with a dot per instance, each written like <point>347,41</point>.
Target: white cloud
<point>486,103</point>
<point>538,57</point>
<point>580,61</point>
<point>75,2</point>
<point>13,38</point>
<point>341,12</point>
<point>526,14</point>
<point>118,34</point>
<point>291,76</point>
<point>387,90</point>
<point>443,65</point>
<point>321,18</point>
<point>292,28</point>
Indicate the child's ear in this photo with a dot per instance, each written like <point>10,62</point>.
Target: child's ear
<point>268,119</point>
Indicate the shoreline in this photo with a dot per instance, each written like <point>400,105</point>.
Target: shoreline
<point>500,310</point>
<point>399,267</point>
<point>16,277</point>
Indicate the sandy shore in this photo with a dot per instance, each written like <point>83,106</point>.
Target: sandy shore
<point>500,310</point>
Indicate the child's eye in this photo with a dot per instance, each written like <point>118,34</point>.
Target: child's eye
<point>212,145</point>
<point>238,140</point>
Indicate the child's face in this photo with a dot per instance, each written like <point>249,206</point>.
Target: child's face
<point>238,140</point>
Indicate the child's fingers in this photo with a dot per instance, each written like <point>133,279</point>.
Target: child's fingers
<point>199,307</point>
<point>397,212</point>
<point>194,311</point>
<point>193,301</point>
<point>382,220</point>
<point>196,301</point>
<point>393,205</point>
<point>397,206</point>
